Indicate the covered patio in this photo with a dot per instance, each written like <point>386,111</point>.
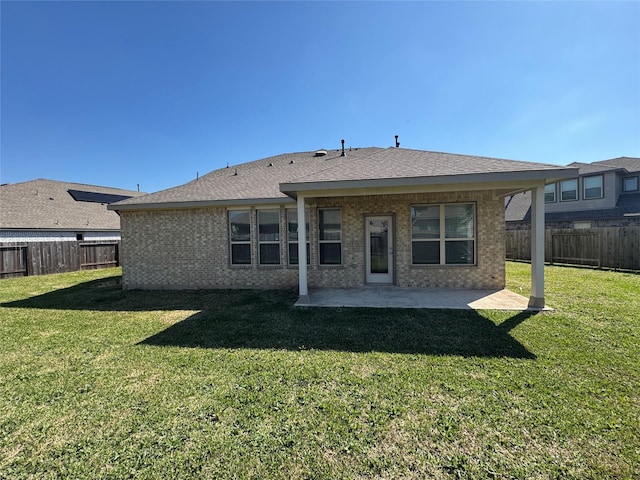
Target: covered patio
<point>433,298</point>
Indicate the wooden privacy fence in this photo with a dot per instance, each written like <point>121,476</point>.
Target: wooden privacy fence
<point>40,258</point>
<point>606,247</point>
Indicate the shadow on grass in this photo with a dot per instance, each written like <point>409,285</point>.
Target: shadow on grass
<point>257,319</point>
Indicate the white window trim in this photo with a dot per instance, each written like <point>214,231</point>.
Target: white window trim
<point>584,187</point>
<point>320,242</point>
<point>443,239</point>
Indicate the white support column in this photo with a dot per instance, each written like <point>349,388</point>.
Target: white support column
<point>537,248</point>
<point>302,249</point>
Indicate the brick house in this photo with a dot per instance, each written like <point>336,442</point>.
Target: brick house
<point>48,226</point>
<point>391,216</point>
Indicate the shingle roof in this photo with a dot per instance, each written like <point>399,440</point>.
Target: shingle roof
<point>631,164</point>
<point>589,168</point>
<point>47,204</point>
<point>262,180</point>
<point>259,179</point>
<point>404,163</point>
<point>518,209</point>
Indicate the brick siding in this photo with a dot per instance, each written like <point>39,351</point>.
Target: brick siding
<point>189,248</point>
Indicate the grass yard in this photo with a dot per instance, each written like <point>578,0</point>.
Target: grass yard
<point>96,382</point>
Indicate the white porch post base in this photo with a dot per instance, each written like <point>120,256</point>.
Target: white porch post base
<point>535,302</point>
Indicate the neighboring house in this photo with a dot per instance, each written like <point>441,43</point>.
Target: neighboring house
<point>602,194</point>
<point>45,225</point>
<point>394,216</point>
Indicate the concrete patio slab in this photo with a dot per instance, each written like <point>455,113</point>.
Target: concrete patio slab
<point>397,297</point>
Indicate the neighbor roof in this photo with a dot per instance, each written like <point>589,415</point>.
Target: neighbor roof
<point>518,209</point>
<point>50,205</point>
<point>630,164</point>
<point>278,178</point>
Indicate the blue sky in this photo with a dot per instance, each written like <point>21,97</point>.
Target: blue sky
<point>155,93</point>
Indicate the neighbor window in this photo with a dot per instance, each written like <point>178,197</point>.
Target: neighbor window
<point>292,235</point>
<point>550,193</point>
<point>269,237</point>
<point>569,190</point>
<point>630,184</point>
<point>240,237</point>
<point>592,187</point>
<point>443,234</point>
<point>330,236</point>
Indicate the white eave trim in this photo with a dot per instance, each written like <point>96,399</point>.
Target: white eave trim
<point>533,176</point>
<point>199,204</point>
<point>501,183</point>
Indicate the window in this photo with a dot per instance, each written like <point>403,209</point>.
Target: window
<point>240,237</point>
<point>269,237</point>
<point>330,236</point>
<point>550,193</point>
<point>292,235</point>
<point>592,187</point>
<point>630,184</point>
<point>569,190</point>
<point>443,234</point>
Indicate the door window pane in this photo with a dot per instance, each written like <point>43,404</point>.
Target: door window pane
<point>379,246</point>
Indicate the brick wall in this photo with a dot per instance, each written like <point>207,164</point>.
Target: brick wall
<point>189,248</point>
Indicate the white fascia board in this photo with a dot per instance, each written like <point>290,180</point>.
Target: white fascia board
<point>443,182</point>
<point>500,188</point>
<point>199,204</point>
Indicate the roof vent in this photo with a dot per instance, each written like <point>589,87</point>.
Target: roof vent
<point>320,153</point>
<point>342,154</point>
<point>397,142</point>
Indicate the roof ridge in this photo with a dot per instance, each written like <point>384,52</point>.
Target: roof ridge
<point>66,183</point>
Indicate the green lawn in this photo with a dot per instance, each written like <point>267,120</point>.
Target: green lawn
<point>96,382</point>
